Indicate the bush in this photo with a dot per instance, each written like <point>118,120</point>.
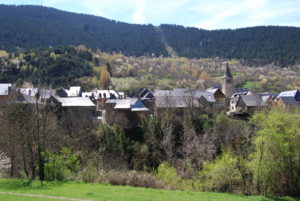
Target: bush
<point>90,174</point>
<point>221,175</point>
<point>59,166</point>
<point>132,178</point>
<point>168,175</point>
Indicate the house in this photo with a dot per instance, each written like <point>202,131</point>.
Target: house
<point>234,99</point>
<point>219,97</point>
<point>249,103</point>
<point>176,99</point>
<point>288,99</point>
<point>125,112</point>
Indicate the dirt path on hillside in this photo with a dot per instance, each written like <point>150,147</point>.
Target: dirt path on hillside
<point>43,196</point>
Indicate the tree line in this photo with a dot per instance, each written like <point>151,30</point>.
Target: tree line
<point>35,26</point>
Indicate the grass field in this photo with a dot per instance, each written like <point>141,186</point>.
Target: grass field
<point>102,192</point>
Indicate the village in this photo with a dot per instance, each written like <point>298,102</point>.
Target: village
<point>113,107</point>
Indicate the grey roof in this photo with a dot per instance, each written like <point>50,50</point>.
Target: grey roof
<point>176,102</point>
<point>74,101</point>
<point>294,93</point>
<point>209,96</point>
<point>252,100</point>
<point>134,104</point>
<point>137,105</point>
<point>4,89</point>
<point>122,104</point>
<point>288,93</point>
<point>212,90</point>
<point>187,93</point>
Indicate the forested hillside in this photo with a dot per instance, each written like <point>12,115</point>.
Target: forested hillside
<point>65,66</point>
<point>35,26</point>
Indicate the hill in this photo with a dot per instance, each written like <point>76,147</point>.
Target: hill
<point>35,26</point>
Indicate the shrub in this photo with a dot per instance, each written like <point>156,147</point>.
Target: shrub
<point>132,178</point>
<point>168,175</point>
<point>90,174</point>
<point>59,166</point>
<point>221,175</point>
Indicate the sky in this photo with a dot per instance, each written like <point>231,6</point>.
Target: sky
<point>205,14</point>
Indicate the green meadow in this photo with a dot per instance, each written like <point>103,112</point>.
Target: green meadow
<point>103,192</point>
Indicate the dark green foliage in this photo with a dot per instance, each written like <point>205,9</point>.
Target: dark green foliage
<point>276,159</point>
<point>35,26</point>
<point>61,165</point>
<point>59,66</point>
<point>256,45</point>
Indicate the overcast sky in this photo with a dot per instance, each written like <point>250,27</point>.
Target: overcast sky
<point>206,14</point>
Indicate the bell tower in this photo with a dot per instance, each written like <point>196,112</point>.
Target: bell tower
<point>227,82</point>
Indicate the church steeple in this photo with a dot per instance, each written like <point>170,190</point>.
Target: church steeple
<point>227,82</point>
<point>227,72</point>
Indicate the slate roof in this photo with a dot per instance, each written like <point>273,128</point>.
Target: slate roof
<point>251,100</point>
<point>294,93</point>
<point>4,89</point>
<point>212,90</point>
<point>209,96</point>
<point>137,105</point>
<point>74,101</point>
<point>176,102</point>
<point>122,104</point>
<point>134,104</point>
<point>185,93</point>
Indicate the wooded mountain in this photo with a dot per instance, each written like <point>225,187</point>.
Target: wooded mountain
<point>35,26</point>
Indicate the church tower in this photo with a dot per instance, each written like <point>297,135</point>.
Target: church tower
<point>227,82</point>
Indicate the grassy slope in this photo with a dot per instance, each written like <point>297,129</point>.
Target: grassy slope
<point>115,193</point>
